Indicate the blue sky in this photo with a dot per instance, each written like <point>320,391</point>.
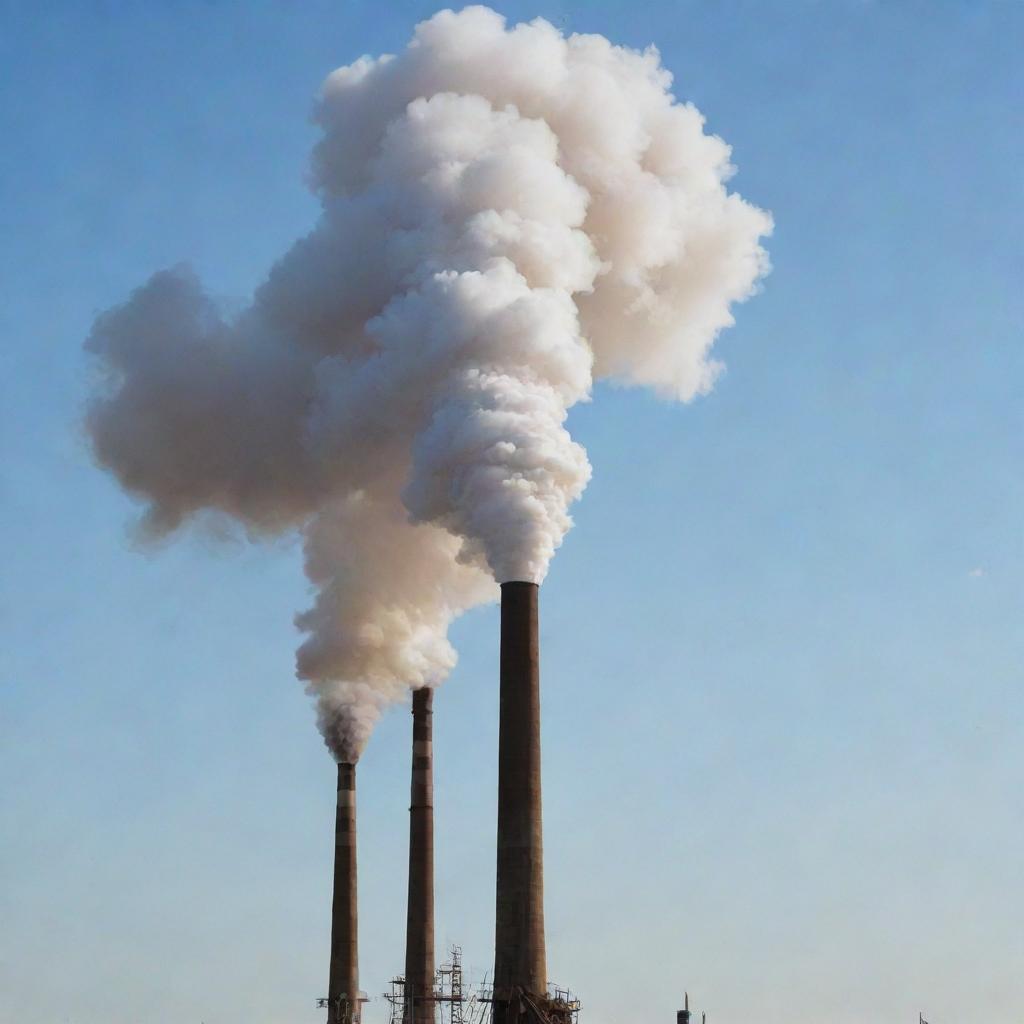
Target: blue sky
<point>782,646</point>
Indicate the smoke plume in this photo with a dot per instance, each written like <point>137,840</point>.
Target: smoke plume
<point>507,215</point>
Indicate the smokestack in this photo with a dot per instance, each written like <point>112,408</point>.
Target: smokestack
<point>420,1007</point>
<point>683,1015</point>
<point>519,956</point>
<point>343,1006</point>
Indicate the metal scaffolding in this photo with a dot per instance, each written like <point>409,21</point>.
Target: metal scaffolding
<point>557,1006</point>
<point>454,1005</point>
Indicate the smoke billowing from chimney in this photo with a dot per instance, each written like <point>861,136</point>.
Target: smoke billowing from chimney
<point>507,215</point>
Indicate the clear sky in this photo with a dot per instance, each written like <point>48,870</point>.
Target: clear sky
<point>782,648</point>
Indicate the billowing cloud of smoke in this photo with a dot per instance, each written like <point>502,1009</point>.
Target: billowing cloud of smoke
<point>508,214</point>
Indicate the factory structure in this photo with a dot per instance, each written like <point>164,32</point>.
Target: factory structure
<point>519,991</point>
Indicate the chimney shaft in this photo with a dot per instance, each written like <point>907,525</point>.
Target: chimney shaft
<point>343,988</point>
<point>519,956</point>
<point>420,1007</point>
<point>683,1015</point>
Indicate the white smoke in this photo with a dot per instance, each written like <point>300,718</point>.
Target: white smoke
<point>387,592</point>
<point>507,215</point>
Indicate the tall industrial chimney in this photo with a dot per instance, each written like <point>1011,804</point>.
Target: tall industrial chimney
<point>343,1006</point>
<point>420,1006</point>
<point>683,1015</point>
<point>519,957</point>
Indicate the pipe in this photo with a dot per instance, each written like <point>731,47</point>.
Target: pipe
<point>420,1006</point>
<point>519,954</point>
<point>343,1006</point>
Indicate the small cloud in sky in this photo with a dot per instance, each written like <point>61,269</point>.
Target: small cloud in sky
<point>976,573</point>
